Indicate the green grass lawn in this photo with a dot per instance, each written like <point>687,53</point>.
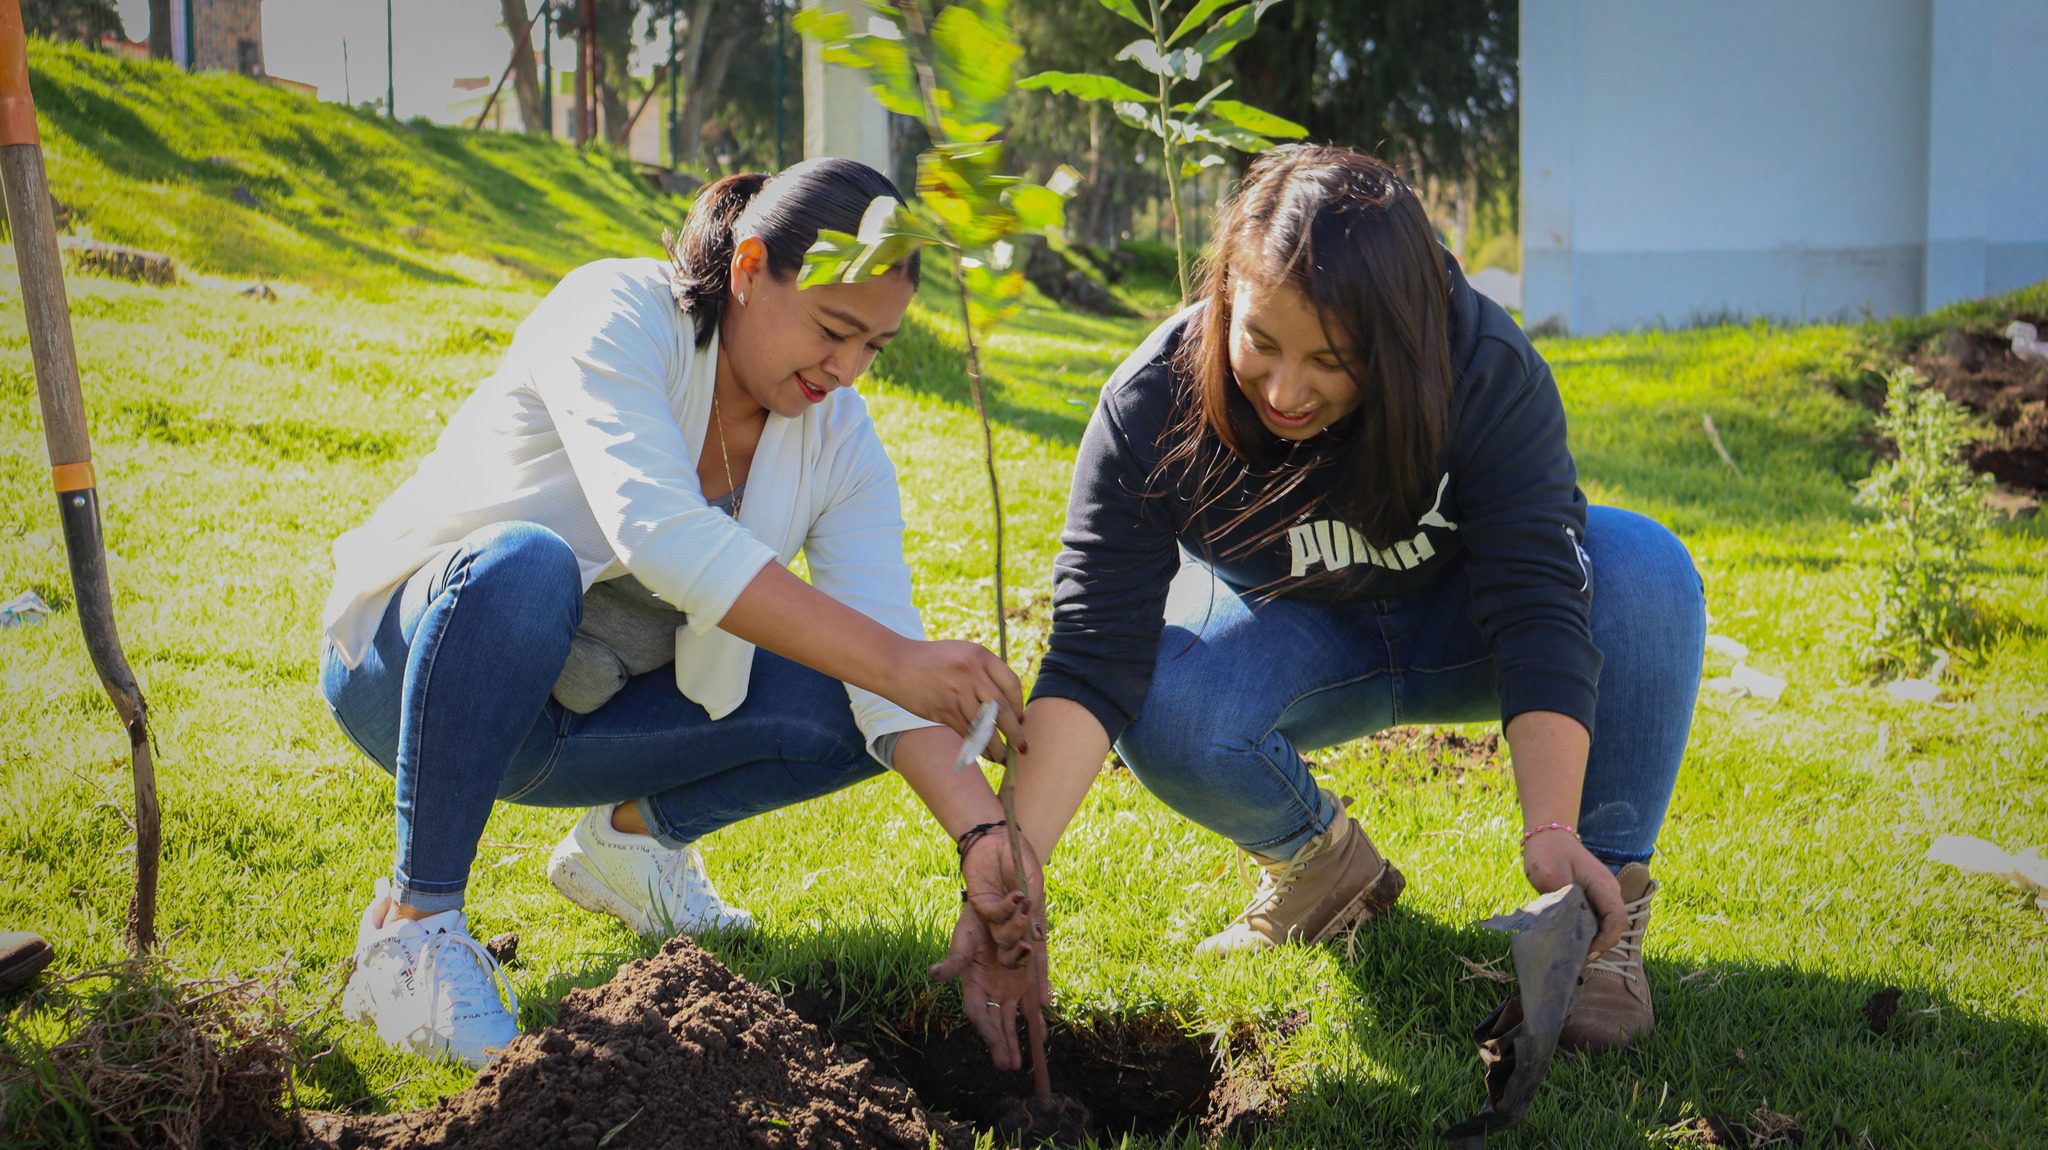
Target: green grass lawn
<point>235,438</point>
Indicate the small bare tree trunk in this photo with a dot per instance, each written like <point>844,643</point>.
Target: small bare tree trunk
<point>525,77</point>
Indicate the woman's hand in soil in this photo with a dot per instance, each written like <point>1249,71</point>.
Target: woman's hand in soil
<point>947,681</point>
<point>998,949</point>
<point>1557,859</point>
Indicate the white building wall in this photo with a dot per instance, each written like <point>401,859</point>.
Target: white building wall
<point>1805,161</point>
<point>1987,210</point>
<point>841,117</point>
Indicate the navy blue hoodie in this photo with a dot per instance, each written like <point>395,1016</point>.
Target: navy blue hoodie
<point>1508,510</point>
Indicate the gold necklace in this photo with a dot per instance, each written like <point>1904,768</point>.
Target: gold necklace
<point>732,489</point>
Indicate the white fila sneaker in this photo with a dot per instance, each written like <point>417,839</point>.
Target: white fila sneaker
<point>427,986</point>
<point>652,889</point>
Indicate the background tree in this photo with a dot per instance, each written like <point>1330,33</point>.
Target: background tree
<point>520,26</point>
<point>1175,46</point>
<point>1427,84</point>
<point>1047,129</point>
<point>82,20</point>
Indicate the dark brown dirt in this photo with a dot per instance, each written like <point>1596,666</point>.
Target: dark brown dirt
<point>675,1052</point>
<point>1141,1075</point>
<point>1879,1008</point>
<point>1979,371</point>
<point>1439,752</point>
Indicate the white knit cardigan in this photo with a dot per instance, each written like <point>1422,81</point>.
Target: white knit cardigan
<point>591,427</point>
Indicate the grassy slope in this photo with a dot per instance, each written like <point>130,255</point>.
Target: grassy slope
<point>152,157</point>
<point>235,438</point>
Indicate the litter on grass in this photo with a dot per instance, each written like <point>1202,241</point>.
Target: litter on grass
<point>2026,344</point>
<point>25,609</point>
<point>1925,689</point>
<point>2026,869</point>
<point>1747,680</point>
<point>1732,648</point>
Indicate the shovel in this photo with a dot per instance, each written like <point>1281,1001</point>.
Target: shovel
<point>34,229</point>
<point>1517,1041</point>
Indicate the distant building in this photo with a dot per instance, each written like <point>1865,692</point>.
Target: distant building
<point>1802,161</point>
<point>224,35</point>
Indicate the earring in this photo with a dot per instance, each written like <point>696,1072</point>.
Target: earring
<point>743,299</point>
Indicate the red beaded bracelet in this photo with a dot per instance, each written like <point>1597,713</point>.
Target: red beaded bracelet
<point>1532,832</point>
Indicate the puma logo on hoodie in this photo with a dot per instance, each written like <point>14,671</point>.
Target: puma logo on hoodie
<point>1337,545</point>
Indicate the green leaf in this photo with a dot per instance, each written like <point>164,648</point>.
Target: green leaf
<point>1191,168</point>
<point>1129,11</point>
<point>836,257</point>
<point>1256,119</point>
<point>1193,20</point>
<point>828,258</point>
<point>882,55</point>
<point>992,296</point>
<point>1232,30</point>
<point>1226,134</point>
<point>1180,64</point>
<point>975,61</point>
<point>1197,107</point>
<point>1137,115</point>
<point>1037,209</point>
<point>819,24</point>
<point>1085,86</point>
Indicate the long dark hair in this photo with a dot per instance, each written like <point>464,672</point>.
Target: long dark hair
<point>785,211</point>
<point>1347,232</point>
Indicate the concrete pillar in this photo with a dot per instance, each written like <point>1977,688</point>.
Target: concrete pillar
<point>1549,110</point>
<point>841,117</point>
<point>1987,172</point>
<point>1959,145</point>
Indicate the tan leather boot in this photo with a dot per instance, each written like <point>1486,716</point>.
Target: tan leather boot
<point>1613,1007</point>
<point>1334,880</point>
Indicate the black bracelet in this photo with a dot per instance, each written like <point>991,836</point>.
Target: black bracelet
<point>974,833</point>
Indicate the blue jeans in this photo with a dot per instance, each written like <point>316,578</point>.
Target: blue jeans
<point>1242,688</point>
<point>452,699</point>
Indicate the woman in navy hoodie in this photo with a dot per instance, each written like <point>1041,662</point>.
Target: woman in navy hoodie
<point>1332,497</point>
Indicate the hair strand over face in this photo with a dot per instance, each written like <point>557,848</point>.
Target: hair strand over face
<point>1347,233</point>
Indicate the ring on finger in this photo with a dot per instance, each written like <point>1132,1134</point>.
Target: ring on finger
<point>993,1005</point>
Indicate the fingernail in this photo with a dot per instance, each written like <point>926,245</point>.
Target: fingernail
<point>1023,748</point>
<point>1017,899</point>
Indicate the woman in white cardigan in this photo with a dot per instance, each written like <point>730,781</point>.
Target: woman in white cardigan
<point>623,494</point>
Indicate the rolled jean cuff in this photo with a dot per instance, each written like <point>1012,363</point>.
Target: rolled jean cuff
<point>656,828</point>
<point>410,897</point>
<point>1290,844</point>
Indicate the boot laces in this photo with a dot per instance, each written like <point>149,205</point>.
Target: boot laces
<point>1625,957</point>
<point>459,979</point>
<point>1278,877</point>
<point>684,875</point>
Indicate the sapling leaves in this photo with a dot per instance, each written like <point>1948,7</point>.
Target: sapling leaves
<point>1129,11</point>
<point>1224,24</point>
<point>1235,27</point>
<point>1252,119</point>
<point>1174,64</point>
<point>1083,86</point>
<point>1193,20</point>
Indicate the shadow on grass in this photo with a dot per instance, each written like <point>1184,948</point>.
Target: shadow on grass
<point>1737,1044</point>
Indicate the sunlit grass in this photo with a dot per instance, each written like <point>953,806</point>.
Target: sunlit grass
<point>235,438</point>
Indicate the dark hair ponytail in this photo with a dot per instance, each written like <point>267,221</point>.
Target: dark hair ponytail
<point>785,212</point>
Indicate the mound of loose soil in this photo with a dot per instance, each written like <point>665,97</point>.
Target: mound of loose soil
<point>1980,372</point>
<point>676,1051</point>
